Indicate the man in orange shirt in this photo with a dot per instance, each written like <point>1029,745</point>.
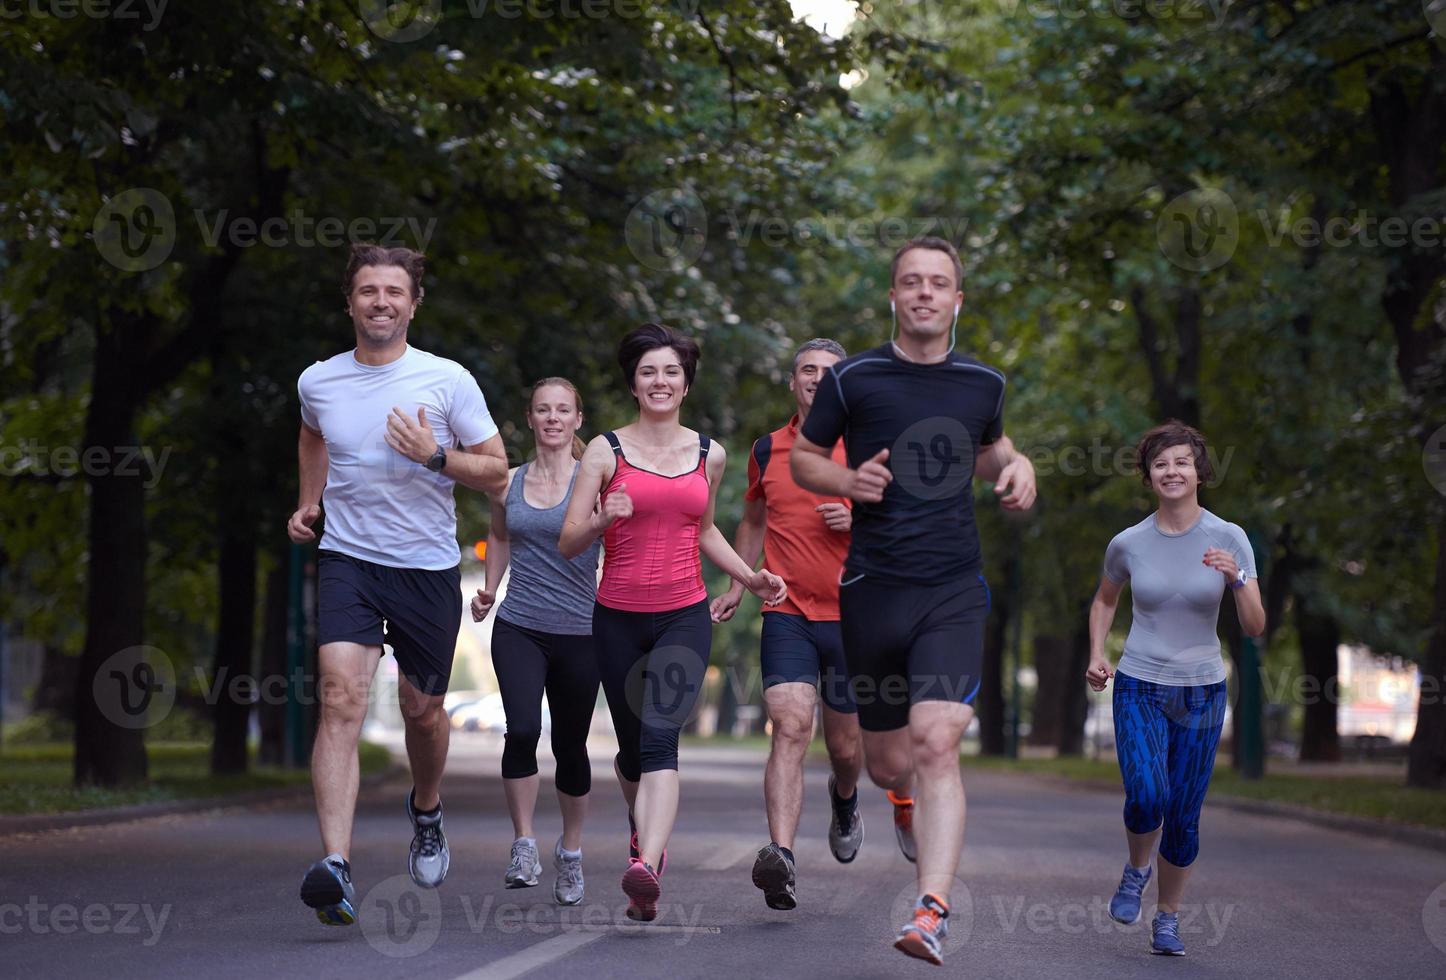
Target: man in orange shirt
<point>805,538</point>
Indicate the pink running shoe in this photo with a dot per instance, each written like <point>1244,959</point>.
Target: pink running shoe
<point>640,884</point>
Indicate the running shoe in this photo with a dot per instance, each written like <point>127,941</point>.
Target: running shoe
<point>634,853</point>
<point>1125,906</point>
<point>429,858</point>
<point>640,884</point>
<point>845,827</point>
<point>327,889</point>
<point>1165,935</point>
<point>923,938</point>
<point>524,869</point>
<point>568,888</point>
<point>904,825</point>
<point>774,872</point>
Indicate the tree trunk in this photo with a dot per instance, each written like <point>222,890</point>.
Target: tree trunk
<point>1320,637</point>
<point>1426,766</point>
<point>1052,661</point>
<point>271,705</point>
<point>1074,698</point>
<point>108,751</point>
<point>990,701</point>
<point>233,681</point>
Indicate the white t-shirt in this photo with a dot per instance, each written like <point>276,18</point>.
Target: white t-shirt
<point>380,506</point>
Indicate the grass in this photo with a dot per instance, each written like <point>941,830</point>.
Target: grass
<point>38,778</point>
<point>1382,795</point>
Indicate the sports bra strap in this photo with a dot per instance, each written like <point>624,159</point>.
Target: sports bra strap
<point>612,439</point>
<point>703,444</point>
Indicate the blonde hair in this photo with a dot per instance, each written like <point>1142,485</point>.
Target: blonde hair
<point>577,444</point>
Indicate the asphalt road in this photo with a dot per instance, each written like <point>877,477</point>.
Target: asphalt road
<point>214,895</point>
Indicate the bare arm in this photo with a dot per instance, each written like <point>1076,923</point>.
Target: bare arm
<point>1012,470</point>
<point>499,553</point>
<point>1248,606</point>
<point>584,521</point>
<point>813,469</point>
<point>1102,617</point>
<point>716,548</point>
<point>480,466</point>
<point>312,466</point>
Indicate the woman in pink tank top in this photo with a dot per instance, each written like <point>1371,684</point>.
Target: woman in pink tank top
<point>651,627</point>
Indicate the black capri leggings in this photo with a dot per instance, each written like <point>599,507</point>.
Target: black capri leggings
<point>528,661</point>
<point>652,666</point>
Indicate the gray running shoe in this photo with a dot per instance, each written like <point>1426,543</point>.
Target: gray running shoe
<point>524,869</point>
<point>429,858</point>
<point>568,888</point>
<point>845,827</point>
<point>774,873</point>
<point>904,826</point>
<point>327,888</point>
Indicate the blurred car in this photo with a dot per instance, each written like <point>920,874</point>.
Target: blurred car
<point>482,715</point>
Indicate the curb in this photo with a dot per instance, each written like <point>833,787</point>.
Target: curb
<point>38,823</point>
<point>1404,833</point>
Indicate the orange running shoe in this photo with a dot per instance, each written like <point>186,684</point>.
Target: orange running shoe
<point>904,825</point>
<point>924,937</point>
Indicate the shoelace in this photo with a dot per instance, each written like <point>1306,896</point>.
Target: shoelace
<point>428,840</point>
<point>519,859</point>
<point>928,917</point>
<point>1133,883</point>
<point>844,812</point>
<point>571,871</point>
<point>344,870</point>
<point>1167,925</point>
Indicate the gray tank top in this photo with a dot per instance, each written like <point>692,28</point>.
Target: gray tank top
<point>546,592</point>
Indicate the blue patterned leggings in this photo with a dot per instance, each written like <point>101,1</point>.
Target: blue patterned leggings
<point>1166,738</point>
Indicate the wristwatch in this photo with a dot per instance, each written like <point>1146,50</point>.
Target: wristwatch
<point>1237,583</point>
<point>438,460</point>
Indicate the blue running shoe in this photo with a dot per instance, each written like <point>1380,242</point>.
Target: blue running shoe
<point>327,889</point>
<point>1165,935</point>
<point>1125,906</point>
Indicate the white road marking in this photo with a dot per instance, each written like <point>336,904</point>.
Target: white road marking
<point>534,956</point>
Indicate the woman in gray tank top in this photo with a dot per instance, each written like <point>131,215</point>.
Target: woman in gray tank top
<point>1169,699</point>
<point>542,638</point>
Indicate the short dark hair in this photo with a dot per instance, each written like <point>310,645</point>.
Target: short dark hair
<point>367,253</point>
<point>819,343</point>
<point>1172,432</point>
<point>652,336</point>
<point>938,245</point>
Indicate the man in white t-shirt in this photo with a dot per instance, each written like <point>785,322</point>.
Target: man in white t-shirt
<point>381,428</point>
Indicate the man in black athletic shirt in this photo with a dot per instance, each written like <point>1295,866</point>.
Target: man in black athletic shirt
<point>919,424</point>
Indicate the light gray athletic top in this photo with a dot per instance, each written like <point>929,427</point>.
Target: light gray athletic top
<point>1176,598</point>
<point>546,592</point>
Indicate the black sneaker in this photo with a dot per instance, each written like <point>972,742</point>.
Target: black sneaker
<point>429,858</point>
<point>774,873</point>
<point>327,888</point>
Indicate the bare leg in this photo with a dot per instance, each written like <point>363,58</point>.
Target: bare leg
<point>790,708</point>
<point>1172,885</point>
<point>574,812</point>
<point>346,676</point>
<point>428,734</point>
<point>935,728</point>
<point>521,803</point>
<point>1142,847</point>
<point>655,811</point>
<point>890,760</point>
<point>629,788</point>
<point>845,749</point>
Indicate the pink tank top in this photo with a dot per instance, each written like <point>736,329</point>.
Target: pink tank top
<point>650,560</point>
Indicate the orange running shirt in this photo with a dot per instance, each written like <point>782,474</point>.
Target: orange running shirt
<point>798,546</point>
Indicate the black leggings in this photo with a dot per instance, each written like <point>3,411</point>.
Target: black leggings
<point>527,662</point>
<point>652,666</point>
